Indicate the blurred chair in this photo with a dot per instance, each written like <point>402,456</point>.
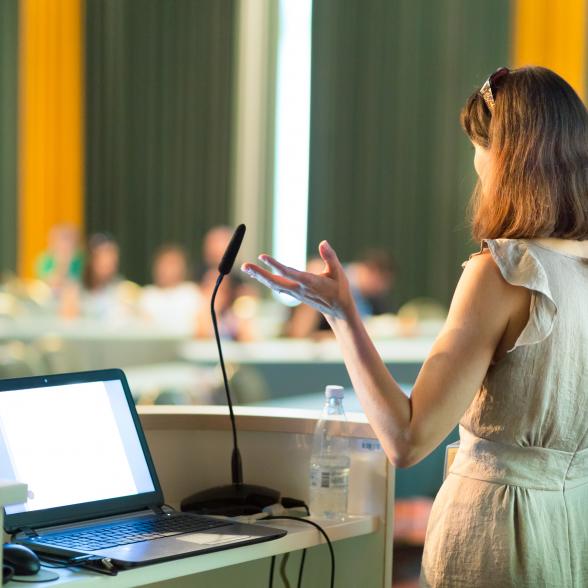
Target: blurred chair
<point>53,353</point>
<point>246,383</point>
<point>18,360</point>
<point>423,309</point>
<point>37,292</point>
<point>9,306</point>
<point>129,293</point>
<point>248,386</point>
<point>421,316</point>
<point>33,294</point>
<point>382,326</point>
<point>175,383</point>
<point>172,396</point>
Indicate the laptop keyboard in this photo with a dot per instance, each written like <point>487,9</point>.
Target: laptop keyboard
<point>131,532</point>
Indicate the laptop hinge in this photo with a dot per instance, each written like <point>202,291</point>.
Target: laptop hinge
<point>157,509</point>
<point>28,532</point>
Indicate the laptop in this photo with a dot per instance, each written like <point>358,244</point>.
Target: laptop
<point>93,493</point>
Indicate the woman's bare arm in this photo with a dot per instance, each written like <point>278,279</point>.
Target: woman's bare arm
<point>410,428</point>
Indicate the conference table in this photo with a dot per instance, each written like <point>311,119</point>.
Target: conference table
<point>162,360</point>
<point>89,344</point>
<point>287,367</point>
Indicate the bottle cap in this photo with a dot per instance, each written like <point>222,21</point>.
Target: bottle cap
<point>334,392</point>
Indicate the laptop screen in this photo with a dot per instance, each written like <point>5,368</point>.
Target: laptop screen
<point>71,444</point>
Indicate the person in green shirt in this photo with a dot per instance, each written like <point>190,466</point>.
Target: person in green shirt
<point>63,262</point>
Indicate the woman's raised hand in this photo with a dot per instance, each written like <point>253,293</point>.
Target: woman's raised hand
<point>328,291</point>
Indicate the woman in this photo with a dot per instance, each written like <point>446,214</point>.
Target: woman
<point>101,297</point>
<point>172,301</point>
<point>510,363</point>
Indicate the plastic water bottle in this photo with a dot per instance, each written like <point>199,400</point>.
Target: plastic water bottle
<point>330,460</point>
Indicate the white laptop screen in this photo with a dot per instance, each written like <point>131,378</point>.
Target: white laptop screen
<point>71,444</point>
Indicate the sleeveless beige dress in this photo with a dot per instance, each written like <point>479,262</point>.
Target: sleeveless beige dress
<point>513,510</point>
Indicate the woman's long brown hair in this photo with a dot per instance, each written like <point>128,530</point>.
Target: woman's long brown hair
<point>537,135</point>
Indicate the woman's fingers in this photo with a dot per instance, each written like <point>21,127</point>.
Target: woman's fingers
<point>322,296</point>
<point>273,281</point>
<point>306,279</point>
<point>284,270</point>
<point>325,291</point>
<point>330,258</point>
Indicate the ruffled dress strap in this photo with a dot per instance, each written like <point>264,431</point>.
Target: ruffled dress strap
<point>520,266</point>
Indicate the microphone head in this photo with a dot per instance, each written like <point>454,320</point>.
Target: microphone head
<point>226,264</point>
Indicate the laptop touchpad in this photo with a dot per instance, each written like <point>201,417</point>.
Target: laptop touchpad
<point>211,538</point>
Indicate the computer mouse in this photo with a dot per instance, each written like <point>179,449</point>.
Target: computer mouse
<point>24,561</point>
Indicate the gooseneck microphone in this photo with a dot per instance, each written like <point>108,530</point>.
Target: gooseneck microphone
<point>228,260</point>
<point>237,498</point>
<point>224,268</point>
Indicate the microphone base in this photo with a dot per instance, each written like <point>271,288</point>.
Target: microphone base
<point>232,500</point>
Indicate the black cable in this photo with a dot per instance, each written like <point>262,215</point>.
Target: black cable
<point>92,563</point>
<point>72,562</point>
<point>321,531</point>
<point>61,566</point>
<point>283,573</point>
<point>271,575</point>
<point>288,502</point>
<point>301,569</point>
<point>303,556</point>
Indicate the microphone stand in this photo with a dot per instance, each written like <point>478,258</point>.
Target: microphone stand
<point>236,498</point>
<point>236,463</point>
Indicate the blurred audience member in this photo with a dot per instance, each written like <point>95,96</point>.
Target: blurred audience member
<point>304,320</point>
<point>214,245</point>
<point>172,301</point>
<point>102,295</point>
<point>230,325</point>
<point>63,260</point>
<point>372,280</point>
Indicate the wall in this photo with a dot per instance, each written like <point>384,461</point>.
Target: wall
<point>389,165</point>
<point>159,81</point>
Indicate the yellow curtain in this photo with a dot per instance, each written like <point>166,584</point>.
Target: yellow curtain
<point>552,33</point>
<point>50,123</point>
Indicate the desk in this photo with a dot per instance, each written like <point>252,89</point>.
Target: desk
<point>407,350</point>
<point>88,344</point>
<point>277,367</point>
<point>288,367</point>
<point>220,569</point>
<point>191,449</point>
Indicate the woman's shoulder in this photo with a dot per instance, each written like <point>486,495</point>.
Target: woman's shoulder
<point>516,262</point>
<point>500,247</point>
<point>517,259</point>
<point>490,266</point>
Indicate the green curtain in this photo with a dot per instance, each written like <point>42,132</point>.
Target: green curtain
<point>8,133</point>
<point>389,165</point>
<point>159,76</point>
